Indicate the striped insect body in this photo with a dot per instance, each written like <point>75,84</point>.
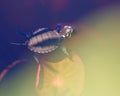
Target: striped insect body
<point>43,43</point>
<point>45,40</point>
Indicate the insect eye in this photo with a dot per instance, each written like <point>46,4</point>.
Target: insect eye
<point>68,30</point>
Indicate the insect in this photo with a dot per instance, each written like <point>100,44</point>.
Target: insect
<point>45,40</point>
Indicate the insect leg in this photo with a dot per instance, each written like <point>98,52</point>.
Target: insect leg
<point>39,75</point>
<point>38,72</point>
<point>66,51</point>
<point>36,59</point>
<point>58,27</point>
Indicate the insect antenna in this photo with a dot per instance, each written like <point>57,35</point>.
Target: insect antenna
<point>23,44</point>
<point>23,33</point>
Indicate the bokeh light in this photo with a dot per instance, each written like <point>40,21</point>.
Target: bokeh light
<point>98,45</point>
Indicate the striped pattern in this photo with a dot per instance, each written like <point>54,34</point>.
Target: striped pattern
<point>42,35</point>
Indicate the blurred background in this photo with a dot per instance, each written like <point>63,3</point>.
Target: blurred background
<point>96,40</point>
